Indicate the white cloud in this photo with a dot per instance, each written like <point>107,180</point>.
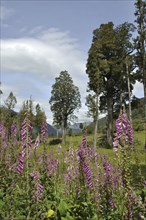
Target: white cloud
<point>31,64</point>
<point>5,13</point>
<point>138,90</point>
<point>47,54</point>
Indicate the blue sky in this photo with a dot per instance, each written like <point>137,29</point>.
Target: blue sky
<point>40,38</point>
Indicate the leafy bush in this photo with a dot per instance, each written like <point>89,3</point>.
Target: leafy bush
<point>55,141</point>
<point>138,125</point>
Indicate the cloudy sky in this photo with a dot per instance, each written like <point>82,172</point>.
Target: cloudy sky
<point>40,38</point>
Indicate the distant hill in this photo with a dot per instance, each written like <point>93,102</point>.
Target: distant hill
<point>51,130</point>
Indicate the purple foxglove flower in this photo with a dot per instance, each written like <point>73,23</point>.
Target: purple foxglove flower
<point>38,187</point>
<point>84,141</point>
<point>52,166</point>
<point>124,131</point>
<point>44,132</point>
<point>14,130</point>
<point>25,133</point>
<point>34,175</point>
<point>37,142</point>
<point>3,133</point>
<point>21,162</point>
<point>88,174</point>
<point>82,161</point>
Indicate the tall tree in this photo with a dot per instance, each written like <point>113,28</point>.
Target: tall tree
<point>140,14</point>
<point>125,50</point>
<point>8,113</point>
<point>105,66</point>
<point>65,98</point>
<point>93,111</point>
<point>11,101</point>
<point>39,117</point>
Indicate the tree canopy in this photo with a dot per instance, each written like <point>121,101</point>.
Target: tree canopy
<point>106,65</point>
<point>65,99</point>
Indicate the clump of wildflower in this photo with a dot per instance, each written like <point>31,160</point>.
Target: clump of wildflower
<point>13,131</point>
<point>124,132</point>
<point>38,187</point>
<point>37,142</point>
<point>44,132</point>
<point>84,142</point>
<point>3,134</point>
<point>84,164</point>
<point>21,162</point>
<point>52,165</point>
<point>25,133</point>
<point>88,174</point>
<point>26,142</point>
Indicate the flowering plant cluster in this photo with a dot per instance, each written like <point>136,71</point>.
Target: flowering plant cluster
<point>40,182</point>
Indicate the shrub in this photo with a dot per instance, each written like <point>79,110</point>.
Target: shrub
<point>55,141</point>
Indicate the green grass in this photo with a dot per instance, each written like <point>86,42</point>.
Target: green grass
<point>139,142</point>
<point>138,163</point>
<point>140,138</point>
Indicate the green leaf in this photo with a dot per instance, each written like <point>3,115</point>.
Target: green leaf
<point>62,208</point>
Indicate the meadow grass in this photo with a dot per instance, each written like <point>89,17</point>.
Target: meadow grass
<point>75,142</point>
<point>138,157</point>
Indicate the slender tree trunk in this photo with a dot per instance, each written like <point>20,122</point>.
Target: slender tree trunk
<point>63,133</point>
<point>144,87</point>
<point>144,78</point>
<point>110,120</point>
<point>129,92</point>
<point>57,133</point>
<point>95,132</point>
<point>96,124</point>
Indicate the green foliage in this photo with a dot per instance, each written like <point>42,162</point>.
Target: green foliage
<point>92,104</point>
<point>106,67</point>
<point>65,99</point>
<point>7,115</point>
<point>140,40</point>
<point>138,125</point>
<point>11,101</point>
<point>55,141</point>
<point>39,117</point>
<point>70,132</point>
<point>27,106</point>
<point>89,129</point>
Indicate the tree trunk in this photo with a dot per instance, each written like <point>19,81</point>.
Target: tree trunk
<point>96,123</point>
<point>110,120</point>
<point>95,133</point>
<point>57,133</point>
<point>129,92</point>
<point>63,132</point>
<point>144,87</point>
<point>144,79</point>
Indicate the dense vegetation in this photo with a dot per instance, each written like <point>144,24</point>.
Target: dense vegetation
<point>41,182</point>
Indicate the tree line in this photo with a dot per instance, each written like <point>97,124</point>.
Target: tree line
<point>9,117</point>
